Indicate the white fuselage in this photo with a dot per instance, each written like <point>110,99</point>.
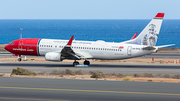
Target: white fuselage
<point>94,49</point>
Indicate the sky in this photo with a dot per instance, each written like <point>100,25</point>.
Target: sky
<point>88,9</point>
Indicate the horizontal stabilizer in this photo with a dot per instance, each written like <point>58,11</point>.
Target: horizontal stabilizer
<point>149,48</point>
<point>155,47</point>
<point>165,46</point>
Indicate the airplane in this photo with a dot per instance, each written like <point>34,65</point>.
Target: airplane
<point>20,57</point>
<point>58,50</point>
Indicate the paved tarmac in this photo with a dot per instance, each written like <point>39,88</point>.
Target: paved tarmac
<point>103,67</point>
<point>162,56</point>
<point>35,89</point>
<point>155,55</point>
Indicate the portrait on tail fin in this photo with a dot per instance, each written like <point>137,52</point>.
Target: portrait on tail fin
<point>150,38</point>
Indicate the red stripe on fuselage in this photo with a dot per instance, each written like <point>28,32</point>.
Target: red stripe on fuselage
<point>23,47</point>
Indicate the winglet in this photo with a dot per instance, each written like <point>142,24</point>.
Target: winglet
<point>134,36</point>
<point>70,41</point>
<point>160,15</point>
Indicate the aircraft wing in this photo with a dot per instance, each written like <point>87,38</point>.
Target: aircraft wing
<point>69,53</point>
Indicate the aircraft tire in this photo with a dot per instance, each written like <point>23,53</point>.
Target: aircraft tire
<point>19,59</point>
<point>86,63</point>
<point>75,63</point>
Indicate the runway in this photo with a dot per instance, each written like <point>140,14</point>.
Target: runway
<point>25,89</point>
<point>39,89</point>
<point>155,55</point>
<point>103,67</point>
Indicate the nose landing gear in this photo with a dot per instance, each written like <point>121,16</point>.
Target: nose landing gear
<point>19,58</point>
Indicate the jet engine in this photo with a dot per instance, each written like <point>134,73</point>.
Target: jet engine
<point>53,56</point>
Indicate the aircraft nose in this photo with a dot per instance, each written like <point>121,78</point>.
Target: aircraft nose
<point>6,47</point>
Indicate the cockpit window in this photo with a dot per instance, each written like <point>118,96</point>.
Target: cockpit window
<point>11,43</point>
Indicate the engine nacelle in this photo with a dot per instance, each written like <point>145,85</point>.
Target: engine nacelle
<point>53,56</point>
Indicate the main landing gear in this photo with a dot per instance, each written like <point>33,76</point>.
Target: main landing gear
<point>86,62</point>
<point>77,63</point>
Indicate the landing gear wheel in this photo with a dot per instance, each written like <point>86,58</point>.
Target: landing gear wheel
<point>19,59</point>
<point>75,63</point>
<point>86,63</point>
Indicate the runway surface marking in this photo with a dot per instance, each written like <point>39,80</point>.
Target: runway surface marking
<point>97,91</point>
<point>29,99</point>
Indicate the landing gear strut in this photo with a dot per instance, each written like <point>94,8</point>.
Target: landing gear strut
<point>75,63</point>
<point>86,62</point>
<point>19,58</point>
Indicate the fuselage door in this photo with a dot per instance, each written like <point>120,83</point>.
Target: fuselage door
<point>129,50</point>
<point>20,45</point>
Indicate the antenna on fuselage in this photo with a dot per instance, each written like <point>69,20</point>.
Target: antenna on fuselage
<point>21,33</point>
